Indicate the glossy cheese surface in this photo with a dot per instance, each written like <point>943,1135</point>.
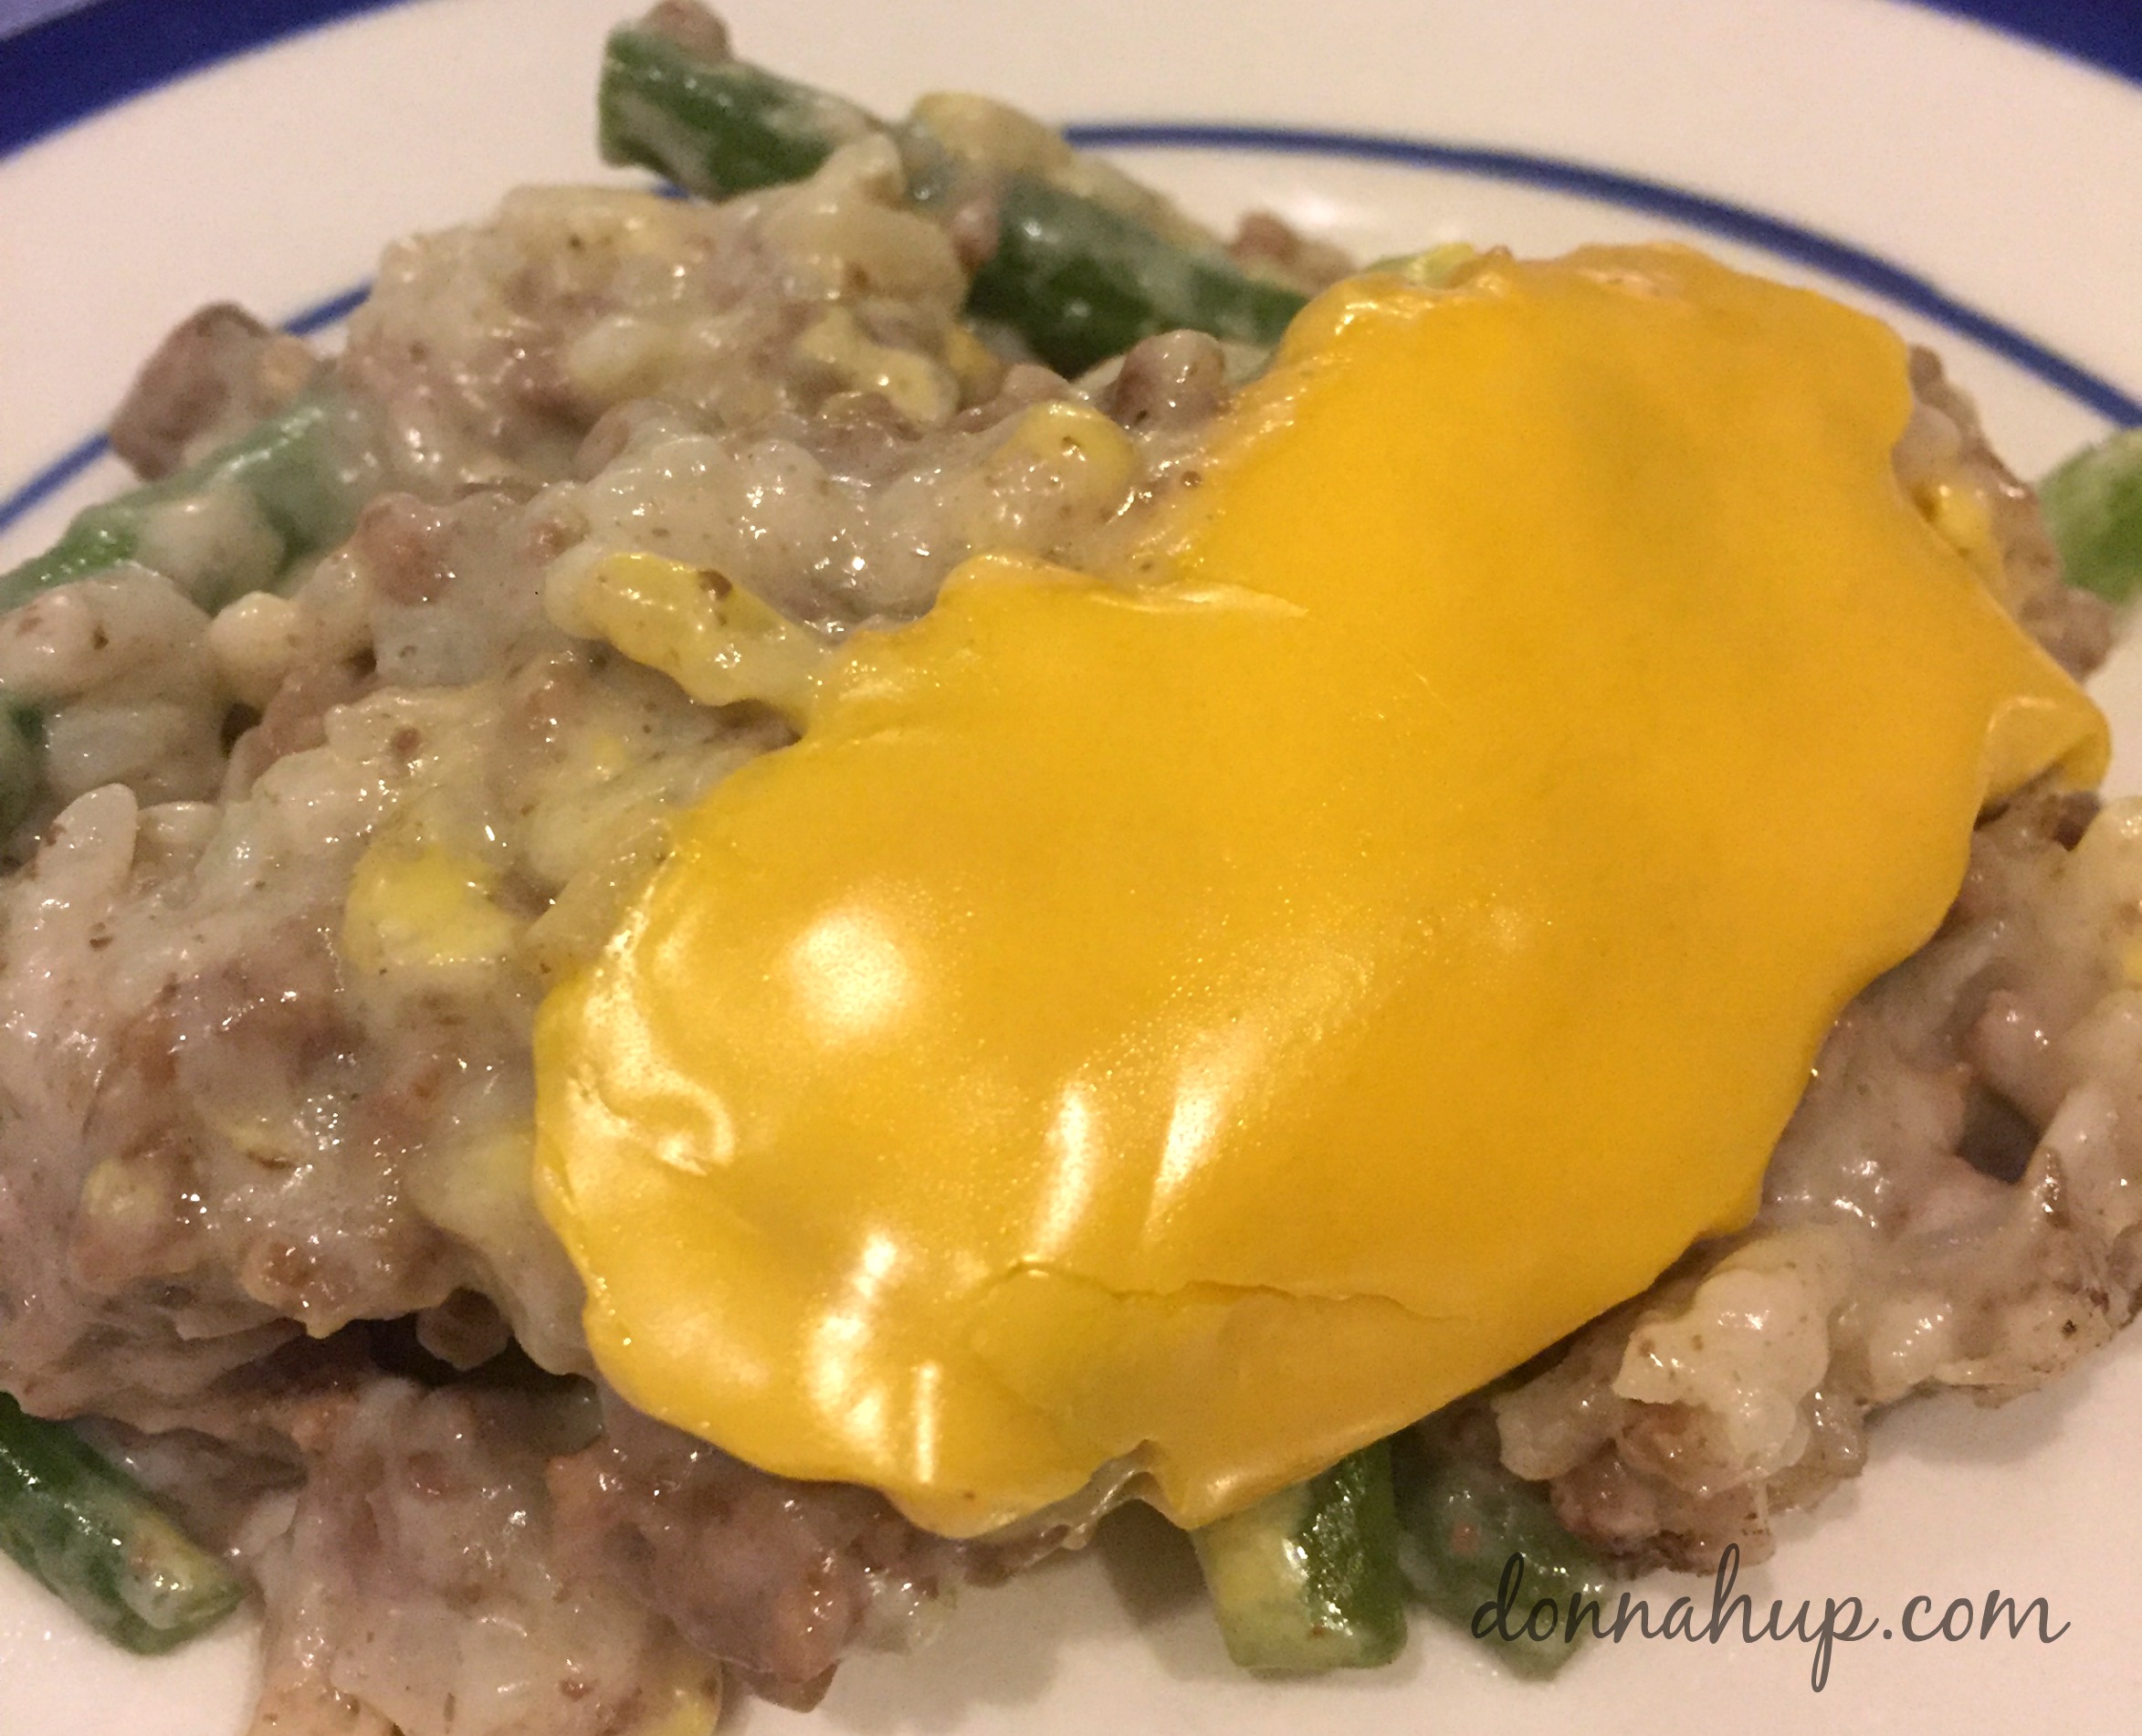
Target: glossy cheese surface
<point>1222,1019</point>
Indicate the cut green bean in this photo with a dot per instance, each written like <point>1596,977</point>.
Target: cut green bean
<point>1081,283</point>
<point>238,520</point>
<point>241,519</point>
<point>716,128</point>
<point>2093,509</point>
<point>1484,1550</point>
<point>22,733</point>
<point>91,1534</point>
<point>1308,1579</point>
<point>1077,280</point>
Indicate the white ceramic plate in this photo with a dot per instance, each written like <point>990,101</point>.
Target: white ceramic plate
<point>1938,153</point>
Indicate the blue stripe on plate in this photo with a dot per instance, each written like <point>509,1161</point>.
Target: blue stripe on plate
<point>53,477</point>
<point>2107,34</point>
<point>1842,260</point>
<point>333,310</point>
<point>69,67</point>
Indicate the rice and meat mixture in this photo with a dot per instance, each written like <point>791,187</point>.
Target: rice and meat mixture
<point>272,945</point>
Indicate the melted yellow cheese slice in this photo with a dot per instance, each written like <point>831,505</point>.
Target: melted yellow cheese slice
<point>1222,1020</point>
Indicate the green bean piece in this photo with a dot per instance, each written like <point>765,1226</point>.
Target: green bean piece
<point>1483,1549</point>
<point>286,489</point>
<point>22,774</point>
<point>91,1534</point>
<point>1081,283</point>
<point>98,538</point>
<point>1077,280</point>
<point>1308,1579</point>
<point>715,128</point>
<point>22,734</point>
<point>2093,507</point>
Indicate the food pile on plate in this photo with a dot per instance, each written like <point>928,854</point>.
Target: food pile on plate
<point>790,887</point>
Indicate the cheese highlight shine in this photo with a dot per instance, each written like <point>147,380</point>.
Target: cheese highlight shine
<point>1222,1017</point>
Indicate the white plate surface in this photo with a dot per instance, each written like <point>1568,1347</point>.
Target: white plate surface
<point>2009,177</point>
